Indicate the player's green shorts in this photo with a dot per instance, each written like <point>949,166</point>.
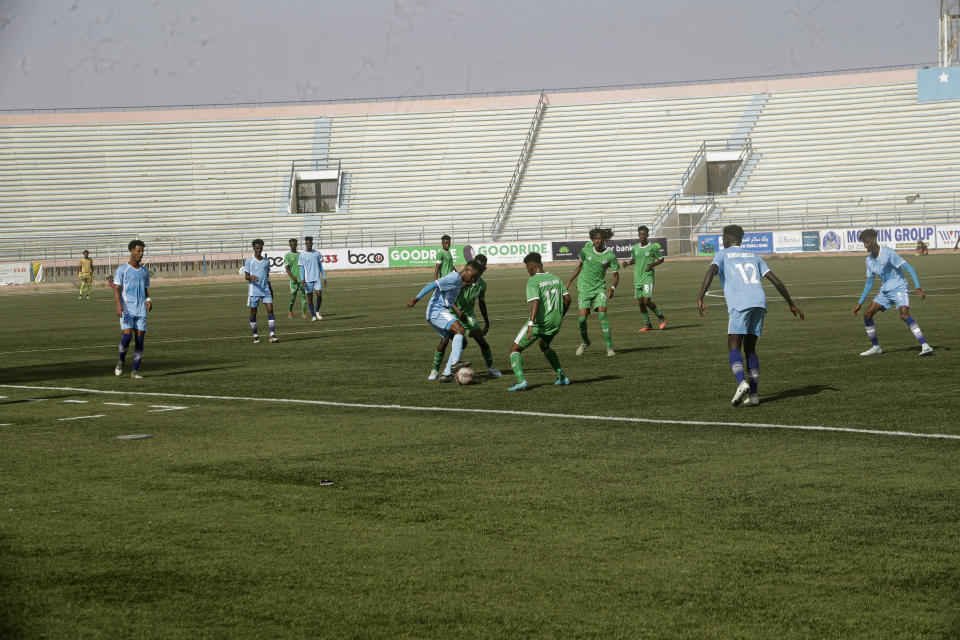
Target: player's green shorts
<point>470,324</point>
<point>295,286</point>
<point>644,289</point>
<point>545,337</point>
<point>592,299</point>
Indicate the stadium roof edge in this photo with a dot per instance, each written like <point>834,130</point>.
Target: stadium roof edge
<point>450,102</point>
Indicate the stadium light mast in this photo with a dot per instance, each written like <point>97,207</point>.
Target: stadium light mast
<point>950,33</point>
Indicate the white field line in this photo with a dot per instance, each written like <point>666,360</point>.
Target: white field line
<point>77,401</point>
<point>119,404</point>
<point>159,408</point>
<point>530,414</point>
<point>247,336</point>
<point>99,415</point>
<point>6,424</point>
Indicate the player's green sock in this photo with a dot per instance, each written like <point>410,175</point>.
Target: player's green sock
<point>554,361</point>
<point>582,324</point>
<point>605,326</point>
<point>293,298</point>
<point>437,359</point>
<point>656,310</point>
<point>516,362</point>
<point>487,355</point>
<point>646,319</point>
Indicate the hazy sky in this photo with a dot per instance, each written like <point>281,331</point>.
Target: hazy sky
<point>90,53</point>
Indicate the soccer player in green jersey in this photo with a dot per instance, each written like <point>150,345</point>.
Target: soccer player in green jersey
<point>645,256</point>
<point>444,259</point>
<point>470,296</point>
<point>595,259</point>
<point>549,302</point>
<point>291,264</point>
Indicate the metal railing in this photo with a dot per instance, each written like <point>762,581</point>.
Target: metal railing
<point>504,210</point>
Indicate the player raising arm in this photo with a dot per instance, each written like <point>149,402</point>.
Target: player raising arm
<point>740,271</point>
<point>445,291</point>
<point>884,262</point>
<point>132,295</point>
<point>549,302</point>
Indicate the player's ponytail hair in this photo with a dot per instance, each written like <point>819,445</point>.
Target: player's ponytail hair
<point>604,232</point>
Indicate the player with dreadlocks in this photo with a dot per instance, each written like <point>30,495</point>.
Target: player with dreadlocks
<point>595,259</point>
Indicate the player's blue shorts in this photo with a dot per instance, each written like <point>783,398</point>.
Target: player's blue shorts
<point>128,321</point>
<point>310,287</point>
<point>441,322</point>
<point>254,301</point>
<point>898,298</point>
<point>748,321</point>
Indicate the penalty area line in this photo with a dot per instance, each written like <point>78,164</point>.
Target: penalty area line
<point>525,414</point>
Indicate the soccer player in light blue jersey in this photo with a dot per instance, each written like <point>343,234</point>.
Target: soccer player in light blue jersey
<point>445,291</point>
<point>132,295</point>
<point>256,270</point>
<point>740,272</point>
<point>884,262</point>
<point>312,277</point>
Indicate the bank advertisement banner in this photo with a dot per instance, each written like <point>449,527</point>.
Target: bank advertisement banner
<point>787,241</point>
<point>898,238</point>
<point>16,272</point>
<point>758,242</point>
<point>570,249</point>
<point>334,259</point>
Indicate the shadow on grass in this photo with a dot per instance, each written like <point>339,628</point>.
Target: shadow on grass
<point>671,327</point>
<point>47,373</point>
<point>59,396</point>
<point>182,372</point>
<point>633,349</point>
<point>809,390</point>
<point>577,381</point>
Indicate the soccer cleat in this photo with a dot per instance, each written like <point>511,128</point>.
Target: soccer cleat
<point>459,365</point>
<point>611,353</point>
<point>494,373</point>
<point>583,347</point>
<point>563,381</point>
<point>256,339</point>
<point>274,339</point>
<point>446,378</point>
<point>88,297</point>
<point>926,350</point>
<point>119,369</point>
<point>289,314</point>
<point>520,386</point>
<point>663,323</point>
<point>646,328</point>
<point>319,317</point>
<point>135,375</point>
<point>754,399</point>
<point>79,297</point>
<point>742,389</point>
<point>305,316</point>
<point>433,374</point>
<point>873,351</point>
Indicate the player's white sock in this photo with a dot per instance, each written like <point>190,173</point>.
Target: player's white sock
<point>456,350</point>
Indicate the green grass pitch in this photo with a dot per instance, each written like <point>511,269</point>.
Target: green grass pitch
<point>705,521</point>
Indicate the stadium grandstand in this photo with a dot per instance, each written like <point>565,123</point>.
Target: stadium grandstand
<point>774,153</point>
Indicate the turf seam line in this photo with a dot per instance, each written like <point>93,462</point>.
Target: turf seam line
<point>534,414</point>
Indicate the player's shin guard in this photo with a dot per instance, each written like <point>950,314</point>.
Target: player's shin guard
<point>137,351</point>
<point>487,355</point>
<point>516,363</point>
<point>272,323</point>
<point>253,324</point>
<point>646,319</point>
<point>125,339</point>
<point>915,329</point>
<point>437,359</point>
<point>554,361</point>
<point>319,300</point>
<point>293,298</point>
<point>871,331</point>
<point>310,304</point>
<point>582,325</point>
<point>656,310</point>
<point>753,368</point>
<point>605,326</point>
<point>736,365</point>
<point>456,350</point>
